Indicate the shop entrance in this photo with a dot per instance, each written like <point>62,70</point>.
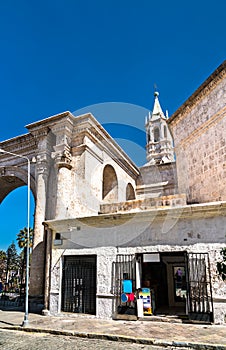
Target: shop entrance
<point>165,275</point>
<point>176,283</point>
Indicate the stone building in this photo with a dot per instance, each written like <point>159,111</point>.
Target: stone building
<point>109,235</point>
<point>199,131</point>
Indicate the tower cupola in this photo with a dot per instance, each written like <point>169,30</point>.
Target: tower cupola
<point>159,147</point>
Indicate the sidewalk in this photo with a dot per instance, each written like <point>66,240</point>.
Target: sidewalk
<point>145,332</point>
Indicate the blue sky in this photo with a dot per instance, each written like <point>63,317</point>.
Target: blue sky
<point>67,55</point>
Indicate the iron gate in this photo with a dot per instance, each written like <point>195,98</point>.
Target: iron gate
<point>79,284</point>
<point>123,268</point>
<point>200,301</point>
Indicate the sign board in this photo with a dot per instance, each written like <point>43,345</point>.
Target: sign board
<point>145,296</point>
<point>152,257</point>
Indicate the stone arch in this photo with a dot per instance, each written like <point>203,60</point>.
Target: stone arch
<point>130,193</point>
<point>110,184</point>
<point>12,177</point>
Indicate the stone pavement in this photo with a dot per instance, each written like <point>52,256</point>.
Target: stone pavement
<point>167,334</point>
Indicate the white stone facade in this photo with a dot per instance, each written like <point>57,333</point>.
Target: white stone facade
<point>93,202</point>
<point>196,229</point>
<point>68,157</point>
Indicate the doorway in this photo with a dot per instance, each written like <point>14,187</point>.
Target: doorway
<point>166,276</point>
<point>79,284</point>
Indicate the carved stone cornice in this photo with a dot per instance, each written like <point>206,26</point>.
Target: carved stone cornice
<point>23,144</point>
<point>63,131</point>
<point>40,133</point>
<point>63,158</point>
<point>65,126</point>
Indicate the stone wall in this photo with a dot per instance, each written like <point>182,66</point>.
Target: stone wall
<point>157,180</point>
<point>199,129</point>
<point>144,204</point>
<point>106,257</point>
<point>104,296</point>
<point>192,229</point>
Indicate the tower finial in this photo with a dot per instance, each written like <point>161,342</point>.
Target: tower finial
<point>155,90</point>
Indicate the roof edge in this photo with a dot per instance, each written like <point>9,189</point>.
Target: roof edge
<point>48,120</point>
<point>192,99</point>
<point>206,210</point>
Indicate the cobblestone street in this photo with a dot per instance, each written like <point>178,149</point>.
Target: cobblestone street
<point>18,340</point>
<point>60,332</point>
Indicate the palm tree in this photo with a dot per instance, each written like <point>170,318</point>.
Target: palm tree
<point>22,243</point>
<point>22,238</point>
<point>12,264</point>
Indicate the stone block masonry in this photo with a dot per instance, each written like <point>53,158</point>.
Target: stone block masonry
<point>199,129</point>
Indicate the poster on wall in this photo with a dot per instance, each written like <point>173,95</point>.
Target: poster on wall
<point>180,285</point>
<point>145,296</point>
<point>127,286</point>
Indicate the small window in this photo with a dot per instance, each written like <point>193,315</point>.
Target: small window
<point>57,236</point>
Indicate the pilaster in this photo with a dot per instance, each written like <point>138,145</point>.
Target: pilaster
<point>42,167</point>
<point>63,164</point>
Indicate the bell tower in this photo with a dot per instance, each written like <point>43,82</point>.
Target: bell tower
<point>159,147</point>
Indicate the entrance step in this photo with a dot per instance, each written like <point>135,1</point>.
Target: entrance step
<point>164,318</point>
<point>124,317</point>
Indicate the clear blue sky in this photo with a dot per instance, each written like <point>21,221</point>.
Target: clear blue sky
<point>67,55</point>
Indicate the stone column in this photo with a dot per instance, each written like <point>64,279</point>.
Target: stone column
<point>63,164</point>
<point>38,254</point>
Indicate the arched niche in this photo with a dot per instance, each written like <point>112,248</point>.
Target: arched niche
<point>110,184</point>
<point>130,193</point>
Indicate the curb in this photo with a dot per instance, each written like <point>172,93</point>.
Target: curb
<point>122,338</point>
